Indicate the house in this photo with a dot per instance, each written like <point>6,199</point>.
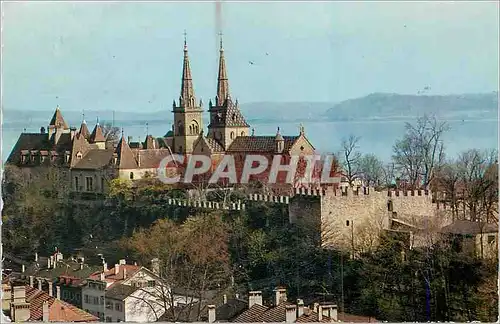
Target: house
<point>476,238</point>
<point>31,304</point>
<point>129,293</point>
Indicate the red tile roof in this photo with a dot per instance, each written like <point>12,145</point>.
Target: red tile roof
<point>111,277</point>
<point>59,311</point>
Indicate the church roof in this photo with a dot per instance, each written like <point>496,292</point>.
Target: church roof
<point>262,144</point>
<point>228,115</point>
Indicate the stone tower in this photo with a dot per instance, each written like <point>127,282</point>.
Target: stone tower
<point>188,122</point>
<point>226,120</point>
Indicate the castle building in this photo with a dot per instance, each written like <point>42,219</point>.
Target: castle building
<point>88,162</point>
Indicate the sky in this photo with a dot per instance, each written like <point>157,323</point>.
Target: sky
<point>127,56</point>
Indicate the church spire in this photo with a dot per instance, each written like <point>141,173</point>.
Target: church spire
<point>187,98</point>
<point>222,81</point>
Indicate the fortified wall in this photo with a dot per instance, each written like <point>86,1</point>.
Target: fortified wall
<point>352,219</point>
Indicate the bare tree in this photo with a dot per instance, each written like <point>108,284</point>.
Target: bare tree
<point>112,135</point>
<point>351,157</point>
<point>372,170</point>
<point>420,151</point>
<point>447,181</point>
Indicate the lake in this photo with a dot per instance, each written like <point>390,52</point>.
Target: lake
<point>376,136</point>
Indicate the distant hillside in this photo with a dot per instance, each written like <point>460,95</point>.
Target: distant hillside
<point>395,106</point>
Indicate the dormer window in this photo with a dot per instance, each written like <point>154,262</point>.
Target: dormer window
<point>79,155</point>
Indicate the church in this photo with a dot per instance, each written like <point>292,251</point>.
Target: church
<point>89,162</point>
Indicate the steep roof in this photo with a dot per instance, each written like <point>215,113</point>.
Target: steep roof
<point>59,311</point>
<point>262,144</point>
<point>228,115</point>
<point>97,135</point>
<point>150,159</point>
<point>126,158</point>
<point>58,120</point>
<point>84,130</point>
<point>37,142</point>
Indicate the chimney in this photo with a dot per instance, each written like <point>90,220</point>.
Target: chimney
<point>58,292</point>
<point>49,263</point>
<point>224,299</point>
<point>102,276</point>
<point>138,158</point>
<point>39,283</point>
<point>124,273</point>
<point>19,294</point>
<point>279,296</point>
<point>19,308</point>
<point>320,313</point>
<point>36,256</point>
<point>254,297</point>
<point>300,307</point>
<point>52,262</point>
<point>51,289</point>
<point>23,268</point>
<point>45,309</point>
<point>104,266</point>
<point>72,131</point>
<point>155,266</point>
<point>117,269</point>
<point>122,261</point>
<point>211,313</point>
<point>81,266</point>
<point>32,281</point>
<point>291,313</point>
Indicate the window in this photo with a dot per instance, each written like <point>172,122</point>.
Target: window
<point>301,148</point>
<point>102,184</point>
<point>131,175</point>
<point>101,300</point>
<point>151,283</point>
<point>86,298</point>
<point>180,149</point>
<point>33,157</point>
<point>109,305</point>
<point>89,183</point>
<point>389,205</point>
<point>77,185</point>
<point>118,307</point>
<point>232,135</point>
<point>23,158</point>
<point>491,239</point>
<point>346,223</point>
<point>95,300</point>
<point>242,133</point>
<point>43,158</point>
<point>79,155</point>
<point>108,319</point>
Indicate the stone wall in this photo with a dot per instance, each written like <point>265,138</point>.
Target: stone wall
<point>353,220</point>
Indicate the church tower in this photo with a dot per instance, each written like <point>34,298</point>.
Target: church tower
<point>188,122</point>
<point>226,119</point>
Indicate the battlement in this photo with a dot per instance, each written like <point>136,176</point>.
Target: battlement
<point>408,193</point>
<point>269,198</point>
<point>206,204</point>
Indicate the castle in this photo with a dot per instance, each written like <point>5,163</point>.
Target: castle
<point>89,162</point>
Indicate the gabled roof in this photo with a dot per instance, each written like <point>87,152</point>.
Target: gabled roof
<point>97,135</point>
<point>263,144</point>
<point>252,314</point>
<point>59,311</point>
<point>58,120</point>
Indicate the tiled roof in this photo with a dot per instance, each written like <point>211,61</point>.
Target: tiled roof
<point>227,115</point>
<point>97,135</point>
<point>59,311</point>
<point>126,159</point>
<point>231,309</point>
<point>84,130</point>
<point>350,318</point>
<point>263,144</point>
<point>29,142</point>
<point>120,292</point>
<point>467,227</point>
<point>252,314</point>
<point>65,268</point>
<point>111,277</point>
<point>150,159</point>
<point>214,145</point>
<point>58,120</point>
<point>95,159</point>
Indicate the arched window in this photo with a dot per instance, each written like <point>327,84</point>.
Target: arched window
<point>131,175</point>
<point>194,128</point>
<point>242,133</point>
<point>234,117</point>
<point>190,130</point>
<point>180,148</point>
<point>180,129</point>
<point>389,205</point>
<point>232,135</point>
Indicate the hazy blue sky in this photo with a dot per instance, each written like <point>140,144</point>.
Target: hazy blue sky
<point>128,56</point>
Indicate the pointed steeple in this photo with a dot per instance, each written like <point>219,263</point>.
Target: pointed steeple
<point>187,98</point>
<point>84,131</point>
<point>125,156</point>
<point>97,135</point>
<point>222,81</point>
<point>57,120</point>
